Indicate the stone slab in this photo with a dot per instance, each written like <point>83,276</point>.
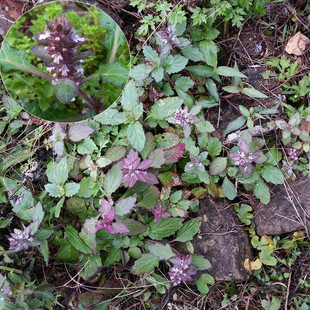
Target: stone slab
<point>223,241</point>
<point>287,211</point>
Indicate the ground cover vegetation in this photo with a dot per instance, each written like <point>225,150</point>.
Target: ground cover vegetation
<point>103,214</point>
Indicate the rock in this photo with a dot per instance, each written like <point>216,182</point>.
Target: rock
<point>287,211</point>
<point>223,241</point>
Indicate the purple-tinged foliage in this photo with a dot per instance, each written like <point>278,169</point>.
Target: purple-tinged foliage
<point>160,211</point>
<point>182,269</point>
<point>134,170</point>
<point>60,52</point>
<point>245,159</point>
<point>22,239</point>
<point>76,133</point>
<point>173,154</point>
<point>168,38</point>
<point>108,222</point>
<point>79,132</point>
<point>58,136</point>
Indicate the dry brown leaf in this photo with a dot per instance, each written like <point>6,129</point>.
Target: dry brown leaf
<point>297,44</point>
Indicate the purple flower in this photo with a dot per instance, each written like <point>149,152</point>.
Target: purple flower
<point>182,269</point>
<point>287,167</point>
<point>183,117</point>
<point>22,239</point>
<point>107,223</point>
<point>293,154</point>
<point>244,159</point>
<point>60,53</point>
<point>134,170</point>
<point>160,212</point>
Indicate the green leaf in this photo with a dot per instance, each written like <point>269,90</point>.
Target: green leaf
<point>164,108</point>
<point>71,189</point>
<point>87,188</point>
<point>266,257</point>
<point>254,93</point>
<point>151,55</point>
<point>201,262</point>
<point>188,230</point>
<point>164,228</point>
<point>163,252</point>
<point>214,147</point>
<point>44,249</point>
<point>65,90</point>
<point>13,59</point>
<point>136,136</point>
<point>235,125</point>
<point>261,191</point>
<point>192,53</point>
<point>211,86</point>
<point>183,83</point>
<point>135,227</point>
<point>274,304</point>
<point>158,158</point>
<point>203,281</point>
<point>205,71</point>
<point>244,213</point>
<point>150,197</point>
<point>54,190</point>
<point>73,238</point>
<point>114,255</point>
<point>227,71</point>
<point>229,189</point>
<point>111,117</point>
<point>145,264</point>
<point>130,96</point>
<point>174,64</point>
<point>115,153</point>
<point>218,165</point>
<point>231,89</point>
<point>91,266</point>
<point>113,179</point>
<point>140,72</point>
<point>114,73</point>
<point>272,174</point>
<point>149,145</point>
<point>205,126</point>
<point>209,50</point>
<point>87,146</point>
<point>124,205</point>
<point>58,207</point>
<point>68,253</point>
<point>77,206</point>
<point>58,172</point>
<point>158,74</point>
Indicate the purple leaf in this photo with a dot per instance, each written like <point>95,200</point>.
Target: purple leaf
<point>40,52</point>
<point>120,228</point>
<point>79,132</point>
<point>173,154</point>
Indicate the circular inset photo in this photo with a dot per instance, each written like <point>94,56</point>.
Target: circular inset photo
<point>65,61</point>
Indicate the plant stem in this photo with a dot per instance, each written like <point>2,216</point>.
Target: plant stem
<point>91,104</point>
<point>30,70</point>
<point>114,47</point>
